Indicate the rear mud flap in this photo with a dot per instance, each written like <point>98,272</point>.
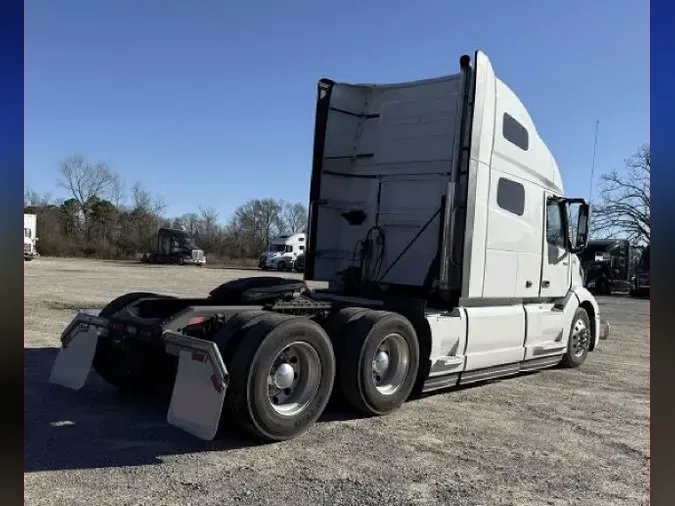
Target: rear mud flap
<point>79,339</point>
<point>201,383</point>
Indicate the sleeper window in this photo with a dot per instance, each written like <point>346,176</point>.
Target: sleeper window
<point>511,196</point>
<point>514,132</point>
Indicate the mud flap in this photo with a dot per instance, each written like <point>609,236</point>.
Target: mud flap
<point>79,339</point>
<point>200,386</point>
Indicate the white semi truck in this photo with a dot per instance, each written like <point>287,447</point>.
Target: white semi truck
<point>437,217</point>
<point>29,237</point>
<point>282,252</point>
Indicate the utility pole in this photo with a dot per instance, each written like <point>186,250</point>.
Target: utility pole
<point>595,145</point>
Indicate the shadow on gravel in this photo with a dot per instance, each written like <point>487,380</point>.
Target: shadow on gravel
<point>98,427</point>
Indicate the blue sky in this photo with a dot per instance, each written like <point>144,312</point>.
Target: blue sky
<point>211,102</point>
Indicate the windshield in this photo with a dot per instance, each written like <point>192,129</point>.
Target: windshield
<point>277,248</point>
<point>185,240</point>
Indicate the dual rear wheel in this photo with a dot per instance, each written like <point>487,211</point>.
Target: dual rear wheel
<point>284,369</point>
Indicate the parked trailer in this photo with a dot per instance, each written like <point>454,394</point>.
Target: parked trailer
<point>29,236</point>
<point>436,215</point>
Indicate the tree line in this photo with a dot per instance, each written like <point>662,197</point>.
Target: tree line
<point>101,219</point>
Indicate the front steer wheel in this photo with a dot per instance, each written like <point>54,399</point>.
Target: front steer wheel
<point>281,376</point>
<point>579,340</point>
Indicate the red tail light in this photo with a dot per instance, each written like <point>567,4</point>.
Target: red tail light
<point>195,320</point>
<point>216,383</point>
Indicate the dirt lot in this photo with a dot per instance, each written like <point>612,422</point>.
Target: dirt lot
<point>554,437</point>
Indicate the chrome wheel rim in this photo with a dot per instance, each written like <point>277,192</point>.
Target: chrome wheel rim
<point>580,338</point>
<point>294,378</point>
<point>390,364</point>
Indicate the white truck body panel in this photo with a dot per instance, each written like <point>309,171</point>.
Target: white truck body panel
<point>390,151</point>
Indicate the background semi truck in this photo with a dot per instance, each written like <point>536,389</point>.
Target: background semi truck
<point>29,236</point>
<point>175,247</point>
<point>609,265</point>
<point>641,277</point>
<point>438,219</point>
<point>282,252</point>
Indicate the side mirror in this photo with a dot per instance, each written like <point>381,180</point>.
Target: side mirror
<point>579,233</point>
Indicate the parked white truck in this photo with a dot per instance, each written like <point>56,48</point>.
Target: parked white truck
<point>438,218</point>
<point>29,237</point>
<point>282,252</point>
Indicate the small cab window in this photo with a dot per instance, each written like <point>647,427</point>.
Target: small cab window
<point>515,133</point>
<point>27,233</point>
<point>511,196</point>
<point>555,229</point>
<point>301,248</point>
<point>301,239</point>
<point>288,249</point>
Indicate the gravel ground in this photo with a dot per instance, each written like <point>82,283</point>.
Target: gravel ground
<point>554,437</point>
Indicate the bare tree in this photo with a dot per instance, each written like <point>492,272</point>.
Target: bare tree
<point>624,208</point>
<point>294,217</point>
<point>31,198</point>
<point>117,191</point>
<point>85,181</point>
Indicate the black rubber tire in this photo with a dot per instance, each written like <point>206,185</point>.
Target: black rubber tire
<point>228,337</point>
<point>337,326</point>
<point>603,287</point>
<point>355,364</point>
<point>570,359</point>
<point>181,260</point>
<point>107,359</point>
<point>282,266</point>
<point>247,393</point>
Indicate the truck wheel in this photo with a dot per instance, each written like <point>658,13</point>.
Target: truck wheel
<point>579,340</point>
<point>180,260</point>
<point>228,337</point>
<point>604,287</point>
<point>281,266</point>
<point>379,363</point>
<point>337,326</point>
<point>282,376</point>
<point>109,363</point>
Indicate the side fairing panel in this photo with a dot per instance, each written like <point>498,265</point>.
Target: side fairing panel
<point>480,154</point>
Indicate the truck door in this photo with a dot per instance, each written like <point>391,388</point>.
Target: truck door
<point>555,270</point>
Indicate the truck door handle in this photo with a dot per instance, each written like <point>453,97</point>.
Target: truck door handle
<point>545,284</point>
